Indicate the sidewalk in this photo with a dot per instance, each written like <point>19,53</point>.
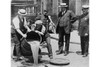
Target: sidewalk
<point>75,60</point>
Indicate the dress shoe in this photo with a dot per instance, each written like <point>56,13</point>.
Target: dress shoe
<point>40,61</point>
<point>60,52</point>
<point>85,55</point>
<point>18,58</point>
<point>57,50</point>
<point>66,53</point>
<point>50,56</point>
<point>82,53</point>
<point>32,61</point>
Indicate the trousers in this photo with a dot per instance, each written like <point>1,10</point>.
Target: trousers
<point>17,47</point>
<point>84,44</point>
<point>63,36</point>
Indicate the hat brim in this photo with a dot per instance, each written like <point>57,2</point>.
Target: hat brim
<point>63,6</point>
<point>38,22</point>
<point>85,8</point>
<point>22,13</point>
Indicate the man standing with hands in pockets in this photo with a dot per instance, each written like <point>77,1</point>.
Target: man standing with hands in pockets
<point>64,30</point>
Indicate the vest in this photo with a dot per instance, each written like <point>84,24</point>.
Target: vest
<point>21,26</point>
<point>39,28</point>
<point>64,21</point>
<point>46,23</point>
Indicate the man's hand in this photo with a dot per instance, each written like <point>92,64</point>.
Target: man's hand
<point>39,32</point>
<point>28,30</point>
<point>36,31</point>
<point>86,34</point>
<point>24,35</point>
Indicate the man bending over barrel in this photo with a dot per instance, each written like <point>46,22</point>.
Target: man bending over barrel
<point>40,28</point>
<point>23,32</point>
<point>20,26</point>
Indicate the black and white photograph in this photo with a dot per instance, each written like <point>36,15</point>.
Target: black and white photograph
<point>50,33</point>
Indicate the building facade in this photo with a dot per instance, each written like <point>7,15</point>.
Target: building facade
<point>34,6</point>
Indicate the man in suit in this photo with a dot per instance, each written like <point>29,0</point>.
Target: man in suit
<point>84,30</point>
<point>64,29</point>
<point>61,13</point>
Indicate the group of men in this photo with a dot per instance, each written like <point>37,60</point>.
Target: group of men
<point>65,20</point>
<point>22,27</point>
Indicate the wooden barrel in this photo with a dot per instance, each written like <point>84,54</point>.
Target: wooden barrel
<point>25,46</point>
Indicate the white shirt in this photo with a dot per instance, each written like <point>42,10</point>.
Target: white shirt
<point>43,29</point>
<point>16,22</point>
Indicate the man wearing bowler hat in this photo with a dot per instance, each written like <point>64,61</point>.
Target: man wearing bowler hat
<point>84,30</point>
<point>64,29</point>
<point>20,26</point>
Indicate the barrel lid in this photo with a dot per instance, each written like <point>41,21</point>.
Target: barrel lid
<point>59,61</point>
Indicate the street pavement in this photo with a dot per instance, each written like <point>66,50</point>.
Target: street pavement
<point>74,59</point>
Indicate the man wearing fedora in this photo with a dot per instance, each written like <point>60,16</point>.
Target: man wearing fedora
<point>61,13</point>
<point>20,26</point>
<point>84,30</point>
<point>64,29</point>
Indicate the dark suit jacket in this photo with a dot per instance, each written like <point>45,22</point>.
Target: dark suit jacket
<point>65,21</point>
<point>84,25</point>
